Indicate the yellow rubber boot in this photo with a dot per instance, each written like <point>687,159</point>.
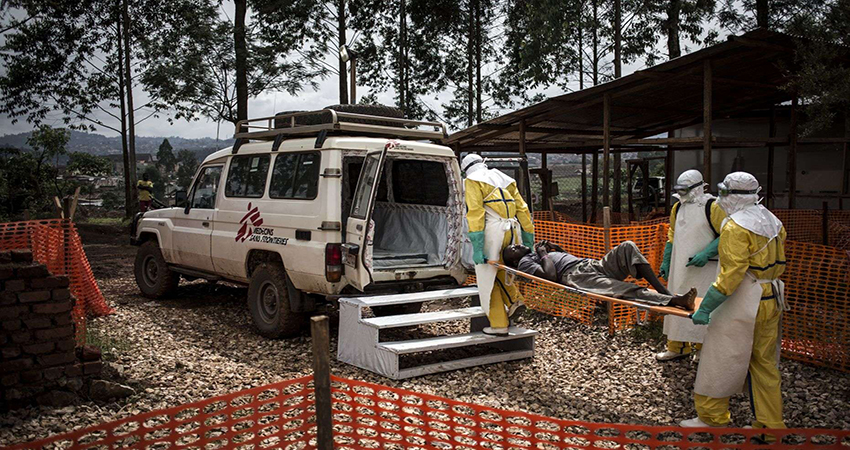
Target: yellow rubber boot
<point>713,411</point>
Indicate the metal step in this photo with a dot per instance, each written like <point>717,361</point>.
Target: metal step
<point>413,297</point>
<point>406,320</point>
<point>463,363</point>
<point>457,340</point>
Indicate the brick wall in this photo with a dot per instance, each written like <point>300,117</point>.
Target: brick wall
<point>38,357</point>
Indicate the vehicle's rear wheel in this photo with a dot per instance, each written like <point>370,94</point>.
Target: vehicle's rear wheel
<point>153,276</point>
<point>268,301</point>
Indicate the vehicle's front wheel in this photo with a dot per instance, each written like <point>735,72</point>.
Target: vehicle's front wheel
<point>268,301</point>
<point>153,276</point>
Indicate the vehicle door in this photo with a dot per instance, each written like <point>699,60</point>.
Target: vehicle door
<point>192,234</point>
<point>357,249</point>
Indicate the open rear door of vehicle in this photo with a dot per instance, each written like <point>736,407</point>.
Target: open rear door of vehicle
<point>357,249</point>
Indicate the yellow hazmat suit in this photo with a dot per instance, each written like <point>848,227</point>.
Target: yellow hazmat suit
<point>497,217</point>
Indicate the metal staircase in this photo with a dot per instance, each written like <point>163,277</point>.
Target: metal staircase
<point>360,338</point>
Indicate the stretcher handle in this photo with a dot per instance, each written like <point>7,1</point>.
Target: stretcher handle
<point>667,310</point>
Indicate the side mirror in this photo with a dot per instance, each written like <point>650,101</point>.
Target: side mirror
<point>553,190</point>
<point>181,199</point>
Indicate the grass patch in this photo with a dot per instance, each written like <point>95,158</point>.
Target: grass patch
<point>110,347</point>
<point>111,221</point>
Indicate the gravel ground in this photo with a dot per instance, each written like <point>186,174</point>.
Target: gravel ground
<point>201,344</point>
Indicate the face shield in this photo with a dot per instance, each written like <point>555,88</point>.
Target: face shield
<point>734,200</point>
<point>683,190</point>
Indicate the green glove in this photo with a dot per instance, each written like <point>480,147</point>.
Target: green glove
<point>713,298</point>
<point>664,272</point>
<point>477,239</point>
<point>701,258</point>
<point>528,239</point>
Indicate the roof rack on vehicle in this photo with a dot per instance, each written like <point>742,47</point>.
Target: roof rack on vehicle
<point>278,127</point>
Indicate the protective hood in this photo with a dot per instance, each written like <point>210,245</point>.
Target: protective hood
<point>744,192</point>
<point>759,220</point>
<point>692,179</point>
<point>472,163</point>
<point>493,177</point>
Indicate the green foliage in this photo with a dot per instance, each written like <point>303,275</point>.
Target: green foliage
<point>87,164</point>
<point>165,158</point>
<point>159,182</point>
<point>188,165</point>
<point>113,201</point>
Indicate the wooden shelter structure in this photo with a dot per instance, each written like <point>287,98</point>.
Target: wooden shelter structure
<point>733,78</point>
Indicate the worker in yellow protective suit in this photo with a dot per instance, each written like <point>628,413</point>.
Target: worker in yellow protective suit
<point>145,187</point>
<point>497,216</point>
<point>743,308</point>
<point>690,259</point>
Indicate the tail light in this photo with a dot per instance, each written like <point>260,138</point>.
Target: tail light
<point>333,263</point>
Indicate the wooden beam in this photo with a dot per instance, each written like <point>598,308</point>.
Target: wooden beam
<point>606,148</point>
<point>706,123</point>
<point>322,381</point>
<point>697,80</point>
<point>670,171</point>
<point>584,187</point>
<point>792,157</point>
<point>522,137</point>
<point>771,154</point>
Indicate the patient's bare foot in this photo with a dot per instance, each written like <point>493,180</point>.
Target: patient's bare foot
<point>685,301</point>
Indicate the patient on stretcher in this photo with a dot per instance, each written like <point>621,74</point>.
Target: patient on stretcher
<point>603,277</point>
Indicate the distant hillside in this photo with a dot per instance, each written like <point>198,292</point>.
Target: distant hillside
<point>99,144</point>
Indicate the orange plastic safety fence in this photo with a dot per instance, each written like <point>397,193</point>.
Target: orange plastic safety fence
<point>56,244</point>
<point>279,415</point>
<point>817,285</point>
<point>371,416</point>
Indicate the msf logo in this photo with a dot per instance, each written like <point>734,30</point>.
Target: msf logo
<point>246,230</point>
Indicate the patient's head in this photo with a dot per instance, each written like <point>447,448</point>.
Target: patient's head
<point>513,253</point>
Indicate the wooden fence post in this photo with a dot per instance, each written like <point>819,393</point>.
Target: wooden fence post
<point>322,381</point>
<point>606,224</point>
<point>825,223</point>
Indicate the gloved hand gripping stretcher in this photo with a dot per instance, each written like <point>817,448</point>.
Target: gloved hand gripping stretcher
<point>598,279</point>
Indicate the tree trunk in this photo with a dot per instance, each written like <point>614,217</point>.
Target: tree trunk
<point>240,47</point>
<point>673,10</point>
<point>131,114</point>
<point>478,31</point>
<point>402,90</point>
<point>762,13</point>
<point>580,53</point>
<point>595,40</point>
<point>128,188</point>
<point>343,82</point>
<point>470,61</point>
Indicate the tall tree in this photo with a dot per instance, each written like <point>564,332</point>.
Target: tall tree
<point>240,46</point>
<point>165,158</point>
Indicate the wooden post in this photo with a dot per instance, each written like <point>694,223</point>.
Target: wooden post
<point>66,207</point>
<point>844,169</point>
<point>606,149</point>
<point>584,187</point>
<point>606,224</point>
<point>629,195</point>
<point>771,154</point>
<point>792,157</point>
<point>594,186</point>
<point>825,223</point>
<point>75,199</point>
<point>322,381</point>
<point>546,182</point>
<point>617,175</point>
<point>706,123</point>
<point>353,81</point>
<point>522,137</point>
<point>670,172</point>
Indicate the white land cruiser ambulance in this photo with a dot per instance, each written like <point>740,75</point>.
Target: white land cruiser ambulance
<point>286,209</point>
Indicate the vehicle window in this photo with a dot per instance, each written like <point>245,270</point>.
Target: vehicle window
<point>354,175</point>
<point>295,176</point>
<point>420,182</point>
<point>247,176</point>
<point>368,178</point>
<point>206,187</point>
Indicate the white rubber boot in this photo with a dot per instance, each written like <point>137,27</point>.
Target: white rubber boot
<point>696,422</point>
<point>670,356</point>
<point>495,331</point>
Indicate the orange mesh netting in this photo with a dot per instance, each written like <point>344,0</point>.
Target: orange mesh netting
<point>817,285</point>
<point>56,244</point>
<point>279,415</point>
<point>372,416</point>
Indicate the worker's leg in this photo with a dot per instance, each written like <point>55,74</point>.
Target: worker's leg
<point>764,379</point>
<point>713,411</point>
<point>682,348</point>
<point>498,315</point>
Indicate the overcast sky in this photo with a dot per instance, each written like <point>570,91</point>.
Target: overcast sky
<point>269,103</point>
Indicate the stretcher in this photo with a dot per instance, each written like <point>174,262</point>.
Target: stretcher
<point>666,310</point>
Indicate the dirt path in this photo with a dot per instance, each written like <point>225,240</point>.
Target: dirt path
<point>201,343</point>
